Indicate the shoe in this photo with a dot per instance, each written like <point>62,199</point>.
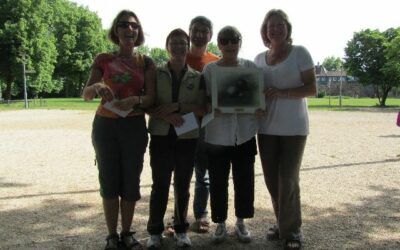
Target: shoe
<point>200,226</point>
<point>129,242</point>
<point>220,233</point>
<point>154,241</point>
<point>242,233</point>
<point>112,242</point>
<point>169,230</point>
<point>182,240</point>
<point>273,233</point>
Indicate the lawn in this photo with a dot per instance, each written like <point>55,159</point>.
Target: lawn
<point>327,103</point>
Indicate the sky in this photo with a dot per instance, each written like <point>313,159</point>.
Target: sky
<point>323,27</point>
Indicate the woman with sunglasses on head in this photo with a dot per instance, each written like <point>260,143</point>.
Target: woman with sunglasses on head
<point>180,91</point>
<point>230,141</point>
<point>289,77</point>
<point>127,78</point>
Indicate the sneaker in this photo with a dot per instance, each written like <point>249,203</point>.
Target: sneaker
<point>242,233</point>
<point>182,240</point>
<point>112,242</point>
<point>154,241</point>
<point>220,233</point>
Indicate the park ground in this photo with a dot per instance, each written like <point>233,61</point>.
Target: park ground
<point>350,185</point>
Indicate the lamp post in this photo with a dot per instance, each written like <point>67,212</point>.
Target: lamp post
<point>340,87</point>
<point>24,75</point>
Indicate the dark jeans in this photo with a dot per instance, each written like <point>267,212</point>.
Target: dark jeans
<point>202,184</point>
<point>242,158</point>
<point>167,154</point>
<point>281,158</point>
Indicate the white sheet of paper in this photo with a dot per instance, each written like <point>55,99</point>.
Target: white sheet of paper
<point>206,119</point>
<point>189,124</point>
<point>110,106</point>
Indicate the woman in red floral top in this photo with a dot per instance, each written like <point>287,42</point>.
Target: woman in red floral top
<point>125,82</point>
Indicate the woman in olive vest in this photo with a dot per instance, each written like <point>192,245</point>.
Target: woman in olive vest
<point>179,90</point>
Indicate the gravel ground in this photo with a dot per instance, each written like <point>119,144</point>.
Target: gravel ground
<point>350,185</point>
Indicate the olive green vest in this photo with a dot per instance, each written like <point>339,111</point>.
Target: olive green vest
<point>188,94</point>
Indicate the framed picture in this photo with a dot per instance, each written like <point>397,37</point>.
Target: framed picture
<point>237,90</point>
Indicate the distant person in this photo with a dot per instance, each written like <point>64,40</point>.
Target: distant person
<point>179,91</point>
<point>231,143</point>
<point>127,77</point>
<point>200,32</point>
<point>288,77</point>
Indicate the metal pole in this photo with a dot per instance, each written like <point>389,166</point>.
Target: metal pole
<point>340,88</point>
<point>25,89</point>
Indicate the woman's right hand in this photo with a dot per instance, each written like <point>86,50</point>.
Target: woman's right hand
<point>103,91</point>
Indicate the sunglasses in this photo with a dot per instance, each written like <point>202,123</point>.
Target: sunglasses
<point>126,25</point>
<point>225,41</point>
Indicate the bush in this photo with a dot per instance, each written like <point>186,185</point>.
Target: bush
<point>321,94</point>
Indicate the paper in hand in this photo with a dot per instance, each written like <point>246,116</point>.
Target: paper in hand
<point>110,106</point>
<point>189,124</point>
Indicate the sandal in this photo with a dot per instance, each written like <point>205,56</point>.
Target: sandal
<point>169,230</point>
<point>273,233</point>
<point>112,242</point>
<point>201,226</point>
<point>129,242</point>
<point>291,244</point>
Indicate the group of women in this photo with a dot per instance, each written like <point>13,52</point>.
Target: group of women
<point>132,83</point>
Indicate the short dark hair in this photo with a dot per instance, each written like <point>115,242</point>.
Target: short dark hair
<point>177,32</point>
<point>112,33</point>
<point>202,20</point>
<point>229,31</point>
<point>264,28</point>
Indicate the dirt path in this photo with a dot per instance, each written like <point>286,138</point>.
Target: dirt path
<point>49,198</point>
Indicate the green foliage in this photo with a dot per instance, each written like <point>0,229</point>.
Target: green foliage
<point>332,63</point>
<point>373,57</point>
<point>58,40</point>
<point>25,36</point>
<point>213,48</point>
<point>159,56</point>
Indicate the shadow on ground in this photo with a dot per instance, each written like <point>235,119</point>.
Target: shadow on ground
<point>60,222</point>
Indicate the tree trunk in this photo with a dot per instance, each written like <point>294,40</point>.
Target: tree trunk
<point>385,92</point>
<point>9,82</point>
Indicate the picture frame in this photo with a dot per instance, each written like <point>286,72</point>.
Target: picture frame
<point>237,90</point>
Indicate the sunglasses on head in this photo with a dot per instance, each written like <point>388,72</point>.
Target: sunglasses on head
<point>225,41</point>
<point>125,25</point>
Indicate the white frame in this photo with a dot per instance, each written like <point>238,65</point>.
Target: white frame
<point>223,76</point>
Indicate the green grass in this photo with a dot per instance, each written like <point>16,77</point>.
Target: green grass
<point>349,103</point>
<point>313,103</point>
<point>53,103</point>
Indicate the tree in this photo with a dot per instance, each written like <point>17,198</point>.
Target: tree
<point>371,57</point>
<point>332,63</point>
<point>25,35</point>
<point>80,38</point>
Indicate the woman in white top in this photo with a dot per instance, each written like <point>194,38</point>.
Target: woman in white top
<point>230,140</point>
<point>289,77</point>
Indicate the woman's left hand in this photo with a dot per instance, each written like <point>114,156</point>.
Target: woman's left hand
<point>174,119</point>
<point>274,93</point>
<point>124,104</point>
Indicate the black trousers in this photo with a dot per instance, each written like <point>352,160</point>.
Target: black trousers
<point>281,158</point>
<point>242,158</point>
<point>168,154</point>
